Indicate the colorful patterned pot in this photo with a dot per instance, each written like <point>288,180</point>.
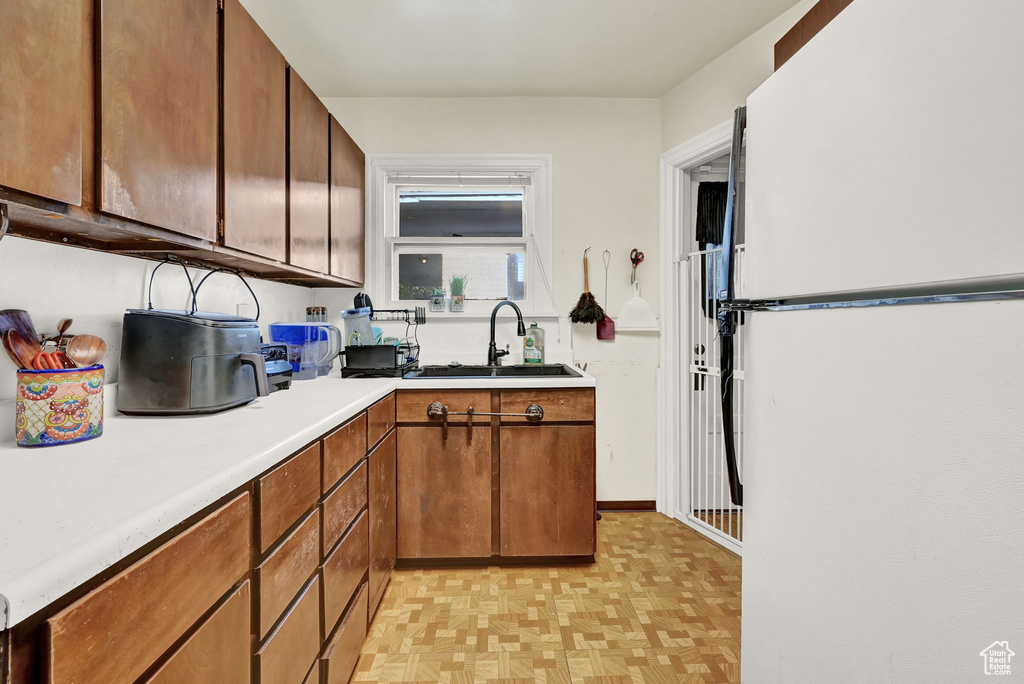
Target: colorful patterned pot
<point>59,406</point>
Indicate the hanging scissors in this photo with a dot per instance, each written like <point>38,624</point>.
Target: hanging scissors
<point>635,258</point>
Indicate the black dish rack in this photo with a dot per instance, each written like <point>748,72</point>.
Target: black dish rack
<point>385,360</point>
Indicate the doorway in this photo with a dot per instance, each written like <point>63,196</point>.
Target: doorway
<point>692,480</point>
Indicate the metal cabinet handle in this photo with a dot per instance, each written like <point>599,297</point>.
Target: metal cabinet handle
<point>534,414</point>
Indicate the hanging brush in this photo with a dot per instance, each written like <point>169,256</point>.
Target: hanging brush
<point>587,310</point>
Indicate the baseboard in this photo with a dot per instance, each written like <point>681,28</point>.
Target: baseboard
<point>626,505</point>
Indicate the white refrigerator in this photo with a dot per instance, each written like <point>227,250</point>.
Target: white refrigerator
<point>884,445</point>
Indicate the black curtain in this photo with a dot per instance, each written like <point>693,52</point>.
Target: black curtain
<point>711,200</point>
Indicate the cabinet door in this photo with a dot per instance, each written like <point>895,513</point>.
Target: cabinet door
<point>159,98</point>
<point>548,505</point>
<point>444,492</point>
<point>383,489</point>
<point>255,137</point>
<point>347,201</point>
<point>44,70</point>
<point>308,183</point>
<point>216,653</point>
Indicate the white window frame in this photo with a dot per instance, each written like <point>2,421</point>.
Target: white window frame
<point>386,173</point>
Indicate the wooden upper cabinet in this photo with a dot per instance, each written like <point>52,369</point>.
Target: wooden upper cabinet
<point>43,71</point>
<point>158,108</point>
<point>347,203</point>
<point>255,138</point>
<point>308,182</point>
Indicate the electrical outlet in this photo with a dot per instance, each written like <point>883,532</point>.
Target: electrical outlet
<point>242,310</point>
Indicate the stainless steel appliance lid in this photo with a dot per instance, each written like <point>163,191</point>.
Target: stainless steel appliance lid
<point>207,318</point>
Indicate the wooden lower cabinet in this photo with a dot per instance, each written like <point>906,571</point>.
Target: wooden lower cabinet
<point>548,498</point>
<point>444,492</point>
<point>383,492</point>
<point>342,651</point>
<point>286,493</point>
<point>288,652</point>
<point>112,634</point>
<point>218,651</point>
<point>342,505</point>
<point>343,571</point>
<point>286,569</point>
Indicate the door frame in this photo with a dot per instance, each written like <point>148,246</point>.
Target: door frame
<point>675,210</point>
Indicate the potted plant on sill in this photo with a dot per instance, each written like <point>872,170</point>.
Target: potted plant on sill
<point>437,299</point>
<point>457,286</point>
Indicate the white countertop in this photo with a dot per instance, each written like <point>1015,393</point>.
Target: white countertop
<point>69,512</point>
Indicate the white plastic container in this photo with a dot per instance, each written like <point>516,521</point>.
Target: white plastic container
<point>358,330</point>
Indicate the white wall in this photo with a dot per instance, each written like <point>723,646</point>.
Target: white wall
<point>884,525</point>
<point>52,282</point>
<point>710,96</point>
<point>605,184</point>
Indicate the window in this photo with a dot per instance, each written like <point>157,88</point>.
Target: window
<point>484,219</point>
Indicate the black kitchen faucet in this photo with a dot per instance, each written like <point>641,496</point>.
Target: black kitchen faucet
<point>493,354</point>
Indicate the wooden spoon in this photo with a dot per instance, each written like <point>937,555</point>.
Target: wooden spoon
<point>62,328</point>
<point>86,350</point>
<point>21,348</point>
<point>10,349</point>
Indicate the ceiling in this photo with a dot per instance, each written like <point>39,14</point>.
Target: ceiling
<point>492,48</point>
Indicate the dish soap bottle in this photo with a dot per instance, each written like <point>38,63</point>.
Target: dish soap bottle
<point>533,345</point>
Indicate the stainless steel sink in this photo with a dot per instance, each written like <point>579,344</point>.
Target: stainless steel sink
<point>551,370</point>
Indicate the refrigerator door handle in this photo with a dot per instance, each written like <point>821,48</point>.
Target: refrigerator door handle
<point>726,316</point>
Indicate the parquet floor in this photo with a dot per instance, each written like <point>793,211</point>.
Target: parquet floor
<point>661,605</point>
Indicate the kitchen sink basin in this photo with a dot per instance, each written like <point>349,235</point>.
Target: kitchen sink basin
<point>551,370</point>
<point>536,371</point>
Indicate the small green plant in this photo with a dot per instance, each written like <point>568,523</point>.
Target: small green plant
<point>457,285</point>
<point>438,292</point>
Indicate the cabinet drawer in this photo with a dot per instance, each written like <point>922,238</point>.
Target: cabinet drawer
<point>380,419</point>
<point>342,653</point>
<point>286,493</point>
<point>343,448</point>
<point>283,573</point>
<point>110,634</point>
<point>344,570</point>
<point>343,505</point>
<point>287,655</point>
<point>218,652</point>
<point>559,405</point>
<point>412,404</point>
